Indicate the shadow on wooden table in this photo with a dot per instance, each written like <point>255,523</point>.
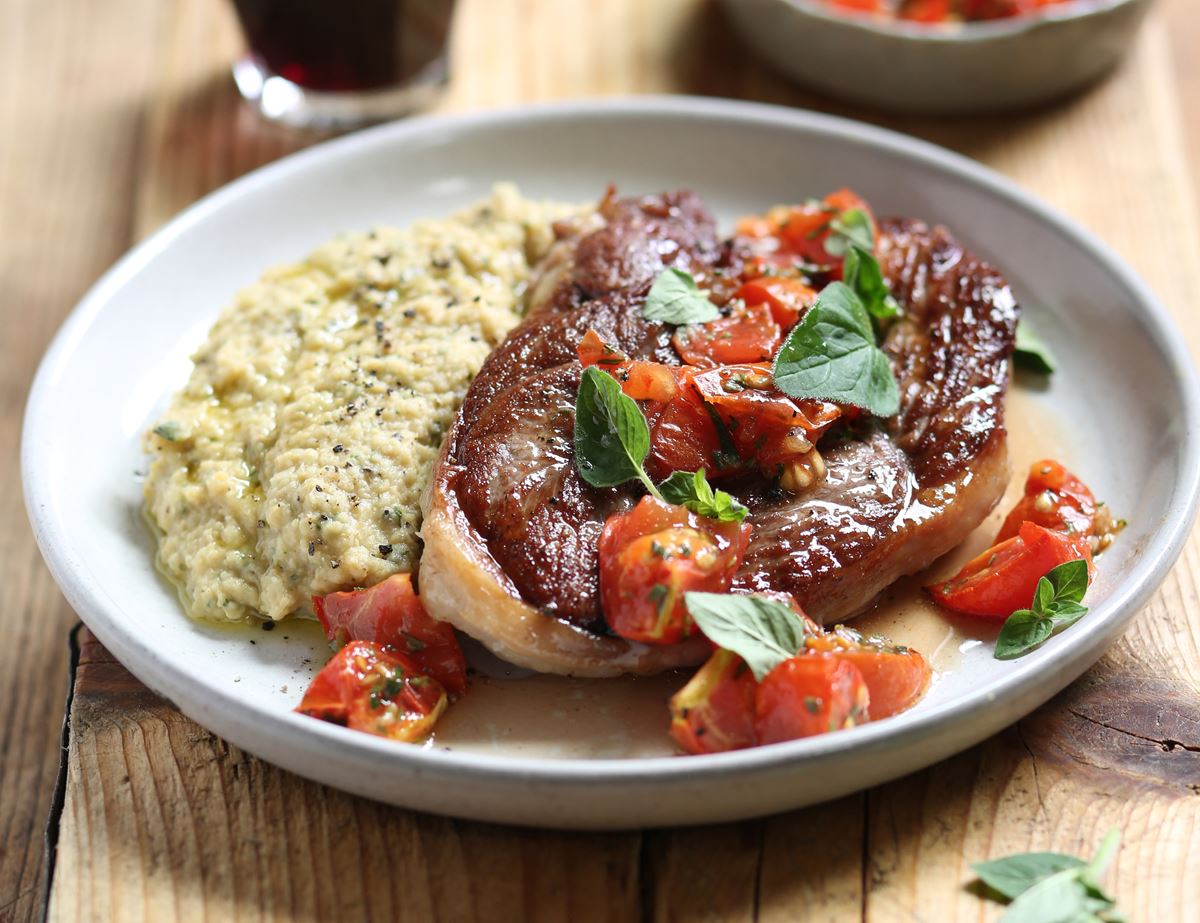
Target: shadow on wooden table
<point>160,815</point>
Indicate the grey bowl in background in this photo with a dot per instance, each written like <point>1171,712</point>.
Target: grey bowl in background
<point>952,68</point>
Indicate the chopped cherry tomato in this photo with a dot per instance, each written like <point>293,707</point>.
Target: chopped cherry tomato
<point>749,334</point>
<point>684,437</point>
<point>1055,499</point>
<point>373,688</point>
<point>807,695</point>
<point>1000,9</point>
<point>801,231</point>
<point>926,10</point>
<point>391,613</point>
<point>593,350</point>
<point>788,299</point>
<point>642,381</point>
<point>805,228</point>
<point>714,712</point>
<point>765,425</point>
<point>895,676</point>
<point>1004,578</point>
<point>864,6</point>
<point>651,556</point>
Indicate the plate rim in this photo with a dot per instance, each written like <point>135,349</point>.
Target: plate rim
<point>245,718</point>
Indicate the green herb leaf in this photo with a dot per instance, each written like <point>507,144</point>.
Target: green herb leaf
<point>694,492</point>
<point>1031,353</point>
<point>1014,875</point>
<point>851,228</point>
<point>1056,605</point>
<point>675,299</point>
<point>1021,632</point>
<point>1047,887</point>
<point>168,430</point>
<point>761,631</point>
<point>831,355</point>
<point>1058,897</point>
<point>1069,581</point>
<point>611,435</point>
<point>862,273</point>
<point>1091,875</point>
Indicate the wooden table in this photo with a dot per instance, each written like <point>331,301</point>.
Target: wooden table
<point>119,114</point>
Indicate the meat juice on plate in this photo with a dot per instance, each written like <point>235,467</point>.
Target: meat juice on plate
<point>513,712</point>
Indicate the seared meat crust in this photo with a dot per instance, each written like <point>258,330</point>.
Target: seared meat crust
<point>511,530</point>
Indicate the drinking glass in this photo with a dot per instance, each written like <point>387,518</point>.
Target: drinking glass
<point>338,64</point>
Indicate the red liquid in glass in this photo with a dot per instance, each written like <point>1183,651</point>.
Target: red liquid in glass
<point>340,45</point>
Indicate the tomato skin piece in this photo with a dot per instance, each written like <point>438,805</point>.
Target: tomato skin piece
<point>749,333</point>
<point>809,694</point>
<point>788,299</point>
<point>1055,499</point>
<point>374,688</point>
<point>651,556</point>
<point>925,10</point>
<point>714,712</point>
<point>765,425</point>
<point>390,613</point>
<point>683,436</point>
<point>806,227</point>
<point>896,676</point>
<point>642,381</point>
<point>1004,578</point>
<point>592,350</point>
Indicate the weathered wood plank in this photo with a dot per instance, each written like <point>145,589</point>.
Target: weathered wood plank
<point>71,81</point>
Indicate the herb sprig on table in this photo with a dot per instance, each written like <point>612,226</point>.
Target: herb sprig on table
<point>1047,887</point>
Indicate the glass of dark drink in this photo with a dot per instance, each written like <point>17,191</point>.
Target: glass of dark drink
<point>338,64</point>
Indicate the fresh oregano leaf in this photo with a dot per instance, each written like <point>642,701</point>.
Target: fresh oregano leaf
<point>1069,581</point>
<point>861,272</point>
<point>851,228</point>
<point>1014,875</point>
<point>1056,605</point>
<point>675,299</point>
<point>1031,353</point>
<point>611,435</point>
<point>694,492</point>
<point>1021,632</point>
<point>761,631</point>
<point>831,356</point>
<point>1095,869</point>
<point>1058,897</point>
<point>1049,887</point>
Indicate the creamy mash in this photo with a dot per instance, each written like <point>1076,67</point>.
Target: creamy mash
<point>292,462</point>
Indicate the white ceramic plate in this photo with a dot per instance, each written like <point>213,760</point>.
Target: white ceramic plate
<point>126,346</point>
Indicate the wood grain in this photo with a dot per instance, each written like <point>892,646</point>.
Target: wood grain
<point>70,99</point>
<point>124,113</point>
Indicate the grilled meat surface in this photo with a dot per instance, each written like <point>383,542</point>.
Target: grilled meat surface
<point>511,530</point>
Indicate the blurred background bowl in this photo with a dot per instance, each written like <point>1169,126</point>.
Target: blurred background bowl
<point>951,68</point>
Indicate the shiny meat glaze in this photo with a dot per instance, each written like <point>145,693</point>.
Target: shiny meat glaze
<point>890,504</point>
<point>511,530</point>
